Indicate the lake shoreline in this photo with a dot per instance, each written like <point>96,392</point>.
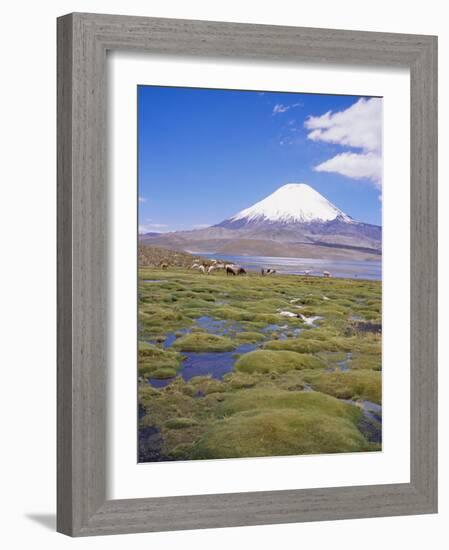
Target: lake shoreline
<point>343,269</point>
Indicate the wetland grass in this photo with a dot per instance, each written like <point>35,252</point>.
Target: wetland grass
<point>286,393</point>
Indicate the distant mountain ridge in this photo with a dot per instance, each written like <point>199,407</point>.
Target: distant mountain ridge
<point>150,234</point>
<point>294,220</point>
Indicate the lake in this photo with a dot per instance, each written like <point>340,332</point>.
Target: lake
<point>296,266</point>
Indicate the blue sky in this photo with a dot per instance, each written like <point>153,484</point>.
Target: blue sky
<point>203,154</point>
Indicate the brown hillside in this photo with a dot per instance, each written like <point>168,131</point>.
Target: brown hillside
<point>153,256</point>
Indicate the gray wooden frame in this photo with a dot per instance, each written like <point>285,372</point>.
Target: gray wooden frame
<point>83,40</point>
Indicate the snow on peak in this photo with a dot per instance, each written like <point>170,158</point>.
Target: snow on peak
<point>292,203</point>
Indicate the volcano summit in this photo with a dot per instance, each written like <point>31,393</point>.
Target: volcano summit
<point>293,203</point>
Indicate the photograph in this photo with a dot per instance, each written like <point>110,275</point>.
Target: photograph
<point>259,273</point>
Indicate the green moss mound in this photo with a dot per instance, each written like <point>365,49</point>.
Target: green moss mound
<point>163,373</point>
<point>358,384</point>
<point>254,399</point>
<point>155,362</point>
<point>180,423</point>
<point>205,385</point>
<point>239,380</point>
<point>271,422</point>
<point>202,341</point>
<point>279,432</point>
<point>276,361</point>
<point>302,345</point>
<point>249,337</point>
<point>366,361</point>
<point>233,313</point>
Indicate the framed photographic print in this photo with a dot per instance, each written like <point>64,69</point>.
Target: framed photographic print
<point>247,274</point>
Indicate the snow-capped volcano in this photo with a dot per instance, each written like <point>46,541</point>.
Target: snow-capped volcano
<point>294,221</point>
<point>290,204</point>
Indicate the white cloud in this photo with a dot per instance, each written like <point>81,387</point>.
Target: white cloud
<point>142,199</point>
<point>143,229</point>
<point>355,165</point>
<point>287,141</point>
<point>280,108</point>
<point>359,127</point>
<point>149,227</point>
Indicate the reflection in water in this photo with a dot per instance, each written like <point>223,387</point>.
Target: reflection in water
<point>171,337</point>
<point>371,423</point>
<point>214,364</point>
<point>211,325</point>
<point>344,365</point>
<point>282,331</point>
<point>150,444</point>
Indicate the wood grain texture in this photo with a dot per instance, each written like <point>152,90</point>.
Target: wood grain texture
<point>64,277</point>
<point>424,276</point>
<point>83,40</point>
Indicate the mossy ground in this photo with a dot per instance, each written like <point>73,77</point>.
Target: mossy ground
<point>261,408</point>
<point>155,362</point>
<point>202,341</point>
<point>359,384</point>
<point>249,337</point>
<point>265,361</point>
